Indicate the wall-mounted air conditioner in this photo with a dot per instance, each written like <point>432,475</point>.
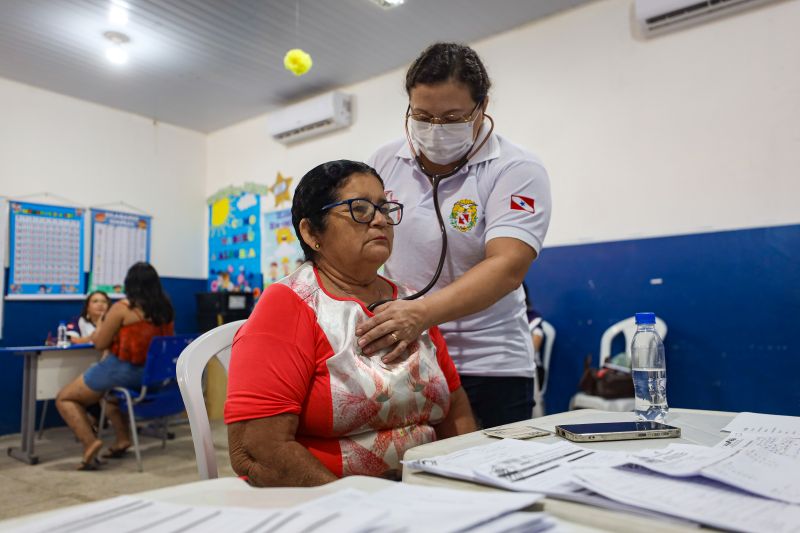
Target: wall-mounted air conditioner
<point>653,17</point>
<point>315,116</point>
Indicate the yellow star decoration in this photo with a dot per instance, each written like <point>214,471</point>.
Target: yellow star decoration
<point>281,189</point>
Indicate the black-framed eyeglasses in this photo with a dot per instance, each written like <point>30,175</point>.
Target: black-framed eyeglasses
<point>363,210</point>
<point>451,118</point>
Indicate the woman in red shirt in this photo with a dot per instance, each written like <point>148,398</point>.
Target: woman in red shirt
<point>304,405</point>
<point>126,331</point>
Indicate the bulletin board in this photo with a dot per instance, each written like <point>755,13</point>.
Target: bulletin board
<point>3,238</point>
<point>281,251</point>
<point>234,243</point>
<point>46,250</point>
<point>118,241</point>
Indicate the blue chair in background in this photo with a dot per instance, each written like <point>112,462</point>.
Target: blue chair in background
<point>159,397</point>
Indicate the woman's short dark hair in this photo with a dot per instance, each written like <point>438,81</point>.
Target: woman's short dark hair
<point>318,188</point>
<point>443,62</point>
<point>85,311</point>
<point>143,290</point>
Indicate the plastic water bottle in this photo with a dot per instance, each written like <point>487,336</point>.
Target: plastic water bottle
<point>649,370</point>
<point>63,341</point>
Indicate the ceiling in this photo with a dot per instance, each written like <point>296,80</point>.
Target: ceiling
<point>207,64</point>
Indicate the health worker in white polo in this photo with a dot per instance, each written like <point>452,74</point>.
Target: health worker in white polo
<point>496,210</point>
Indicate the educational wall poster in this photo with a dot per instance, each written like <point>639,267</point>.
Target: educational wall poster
<point>282,253</point>
<point>3,237</point>
<point>119,240</point>
<point>234,243</point>
<point>46,253</point>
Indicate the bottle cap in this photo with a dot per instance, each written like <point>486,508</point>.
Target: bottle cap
<point>62,323</point>
<point>645,318</point>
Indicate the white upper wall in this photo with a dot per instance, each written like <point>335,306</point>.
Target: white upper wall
<point>95,155</point>
<point>692,131</point>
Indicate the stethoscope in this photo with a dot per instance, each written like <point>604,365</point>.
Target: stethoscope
<point>435,180</point>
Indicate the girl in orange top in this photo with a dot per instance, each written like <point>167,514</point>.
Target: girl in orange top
<point>126,330</point>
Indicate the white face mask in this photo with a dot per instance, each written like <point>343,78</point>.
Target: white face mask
<point>441,143</point>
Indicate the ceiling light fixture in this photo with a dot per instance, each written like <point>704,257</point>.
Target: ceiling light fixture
<point>116,53</point>
<point>118,12</point>
<point>389,4</point>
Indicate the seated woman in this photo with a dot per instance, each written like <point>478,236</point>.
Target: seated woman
<point>126,331</point>
<point>94,308</point>
<point>304,405</point>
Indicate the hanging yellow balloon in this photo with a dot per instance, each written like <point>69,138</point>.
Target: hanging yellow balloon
<point>297,61</point>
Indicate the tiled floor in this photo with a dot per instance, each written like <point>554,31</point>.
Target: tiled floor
<point>54,482</point>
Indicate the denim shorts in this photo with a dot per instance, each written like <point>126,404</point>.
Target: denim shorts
<point>111,372</point>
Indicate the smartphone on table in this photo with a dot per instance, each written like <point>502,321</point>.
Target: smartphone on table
<point>606,431</point>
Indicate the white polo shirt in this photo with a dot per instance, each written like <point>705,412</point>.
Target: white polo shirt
<point>503,191</point>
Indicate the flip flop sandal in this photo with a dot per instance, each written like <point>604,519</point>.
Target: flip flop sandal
<point>87,466</point>
<point>115,453</point>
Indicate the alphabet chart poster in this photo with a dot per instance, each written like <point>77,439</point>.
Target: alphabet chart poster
<point>118,241</point>
<point>46,255</point>
<point>234,244</point>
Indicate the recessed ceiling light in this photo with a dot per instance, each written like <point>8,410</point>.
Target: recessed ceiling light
<point>116,53</point>
<point>388,4</point>
<point>118,13</point>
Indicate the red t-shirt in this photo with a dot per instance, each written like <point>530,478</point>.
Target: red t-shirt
<point>298,353</point>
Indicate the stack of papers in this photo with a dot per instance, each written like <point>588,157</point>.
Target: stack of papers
<point>524,466</point>
<point>704,501</point>
<point>749,482</point>
<point>400,508</point>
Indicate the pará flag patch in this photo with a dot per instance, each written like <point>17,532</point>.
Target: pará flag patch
<point>522,203</point>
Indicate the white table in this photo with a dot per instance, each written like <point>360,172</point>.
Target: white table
<point>697,427</point>
<point>234,492</point>
<point>46,370</point>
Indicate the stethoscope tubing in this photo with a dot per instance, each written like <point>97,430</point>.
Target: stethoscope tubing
<point>435,181</point>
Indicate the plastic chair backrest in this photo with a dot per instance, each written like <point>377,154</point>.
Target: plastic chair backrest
<point>191,364</point>
<point>547,352</point>
<point>627,327</point>
<point>162,357</point>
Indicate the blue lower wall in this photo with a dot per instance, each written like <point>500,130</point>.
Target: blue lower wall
<point>731,301</point>
<point>27,323</point>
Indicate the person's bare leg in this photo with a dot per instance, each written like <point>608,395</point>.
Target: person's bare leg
<point>71,403</point>
<point>120,424</point>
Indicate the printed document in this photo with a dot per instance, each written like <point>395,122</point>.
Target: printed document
<point>787,426</point>
<point>700,500</point>
<point>401,507</point>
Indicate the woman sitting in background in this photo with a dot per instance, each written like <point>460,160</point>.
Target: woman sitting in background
<point>94,308</point>
<point>304,405</point>
<point>126,331</point>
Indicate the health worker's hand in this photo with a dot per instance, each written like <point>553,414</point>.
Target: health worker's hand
<point>396,324</point>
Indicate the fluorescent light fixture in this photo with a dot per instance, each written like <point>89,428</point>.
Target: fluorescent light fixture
<point>118,13</point>
<point>116,53</point>
<point>388,4</point>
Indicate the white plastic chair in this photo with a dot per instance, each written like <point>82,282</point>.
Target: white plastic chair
<point>626,327</point>
<point>191,364</point>
<point>547,352</point>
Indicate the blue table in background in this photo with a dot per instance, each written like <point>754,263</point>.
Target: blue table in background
<point>46,370</point>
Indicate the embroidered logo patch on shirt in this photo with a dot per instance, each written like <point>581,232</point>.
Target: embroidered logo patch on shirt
<point>464,215</point>
<point>522,203</point>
